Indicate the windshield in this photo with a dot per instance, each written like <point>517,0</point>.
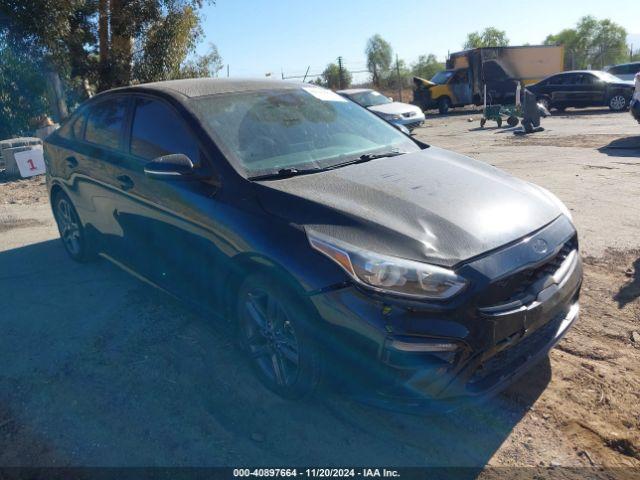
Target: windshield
<point>369,98</point>
<point>442,77</point>
<point>606,76</point>
<point>266,131</point>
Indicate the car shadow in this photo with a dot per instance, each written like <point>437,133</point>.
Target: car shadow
<point>623,147</point>
<point>104,370</point>
<point>631,290</point>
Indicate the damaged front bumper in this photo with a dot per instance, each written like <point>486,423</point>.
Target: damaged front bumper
<point>404,355</point>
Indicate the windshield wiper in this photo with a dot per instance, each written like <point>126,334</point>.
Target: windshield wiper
<point>291,172</point>
<point>368,157</point>
<point>372,156</point>
<point>285,173</point>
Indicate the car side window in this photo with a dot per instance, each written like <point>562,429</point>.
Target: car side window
<point>557,80</point>
<point>157,130</point>
<point>105,121</point>
<point>74,128</point>
<point>586,79</point>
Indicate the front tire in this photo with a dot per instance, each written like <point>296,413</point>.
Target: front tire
<point>444,104</point>
<point>72,233</point>
<point>618,103</point>
<point>274,326</point>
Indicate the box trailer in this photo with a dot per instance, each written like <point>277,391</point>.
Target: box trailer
<point>501,69</point>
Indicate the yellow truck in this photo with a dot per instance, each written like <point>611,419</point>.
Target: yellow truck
<point>500,69</point>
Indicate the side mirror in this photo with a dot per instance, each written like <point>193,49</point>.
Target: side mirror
<point>172,167</point>
<point>390,99</point>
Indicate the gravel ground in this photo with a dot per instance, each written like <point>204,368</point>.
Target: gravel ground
<point>100,369</point>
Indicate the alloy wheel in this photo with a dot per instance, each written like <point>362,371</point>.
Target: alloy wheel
<point>618,102</point>
<point>270,338</point>
<point>69,226</point>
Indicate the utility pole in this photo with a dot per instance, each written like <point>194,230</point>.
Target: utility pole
<point>631,53</point>
<point>399,79</point>
<point>227,70</point>
<point>340,75</point>
<point>304,80</point>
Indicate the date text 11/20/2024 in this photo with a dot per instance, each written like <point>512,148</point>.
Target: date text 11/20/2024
<point>317,472</point>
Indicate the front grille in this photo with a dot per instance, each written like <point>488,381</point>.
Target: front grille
<point>514,356</point>
<point>515,287</point>
<point>413,125</point>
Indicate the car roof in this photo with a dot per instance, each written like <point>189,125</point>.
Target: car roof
<point>199,87</point>
<point>349,91</point>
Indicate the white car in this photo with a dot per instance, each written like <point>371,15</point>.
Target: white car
<point>397,113</point>
<point>624,71</point>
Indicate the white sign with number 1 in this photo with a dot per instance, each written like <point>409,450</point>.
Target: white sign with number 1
<point>30,162</point>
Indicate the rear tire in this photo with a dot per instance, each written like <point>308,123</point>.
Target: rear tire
<point>275,329</point>
<point>444,104</point>
<point>546,102</point>
<point>513,121</point>
<point>72,233</point>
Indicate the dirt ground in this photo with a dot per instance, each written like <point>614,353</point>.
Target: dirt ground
<point>99,369</point>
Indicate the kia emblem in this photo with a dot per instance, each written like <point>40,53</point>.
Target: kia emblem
<point>540,246</point>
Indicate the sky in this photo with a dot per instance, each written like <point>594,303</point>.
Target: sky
<point>256,37</point>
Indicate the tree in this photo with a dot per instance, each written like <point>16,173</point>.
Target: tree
<point>379,58</point>
<point>23,95</point>
<point>331,77</point>
<point>427,66</point>
<point>84,45</point>
<point>490,37</point>
<point>593,42</point>
<point>207,65</point>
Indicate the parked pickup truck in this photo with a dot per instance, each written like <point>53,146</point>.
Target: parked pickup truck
<point>500,69</point>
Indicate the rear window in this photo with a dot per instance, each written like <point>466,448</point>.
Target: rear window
<point>105,121</point>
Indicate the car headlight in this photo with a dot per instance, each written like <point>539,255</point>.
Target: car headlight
<point>388,274</point>
<point>391,116</point>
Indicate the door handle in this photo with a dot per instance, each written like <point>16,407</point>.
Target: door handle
<point>72,162</point>
<point>126,183</point>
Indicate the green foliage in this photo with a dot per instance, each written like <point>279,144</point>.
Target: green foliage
<point>593,42</point>
<point>379,58</point>
<point>207,65</point>
<point>489,37</point>
<point>427,66</point>
<point>331,77</point>
<point>22,90</point>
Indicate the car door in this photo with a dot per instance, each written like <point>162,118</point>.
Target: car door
<point>563,90</point>
<point>461,87</point>
<point>167,222</point>
<point>97,151</point>
<point>591,91</point>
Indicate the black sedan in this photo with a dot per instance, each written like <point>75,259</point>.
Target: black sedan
<point>583,88</point>
<point>337,248</point>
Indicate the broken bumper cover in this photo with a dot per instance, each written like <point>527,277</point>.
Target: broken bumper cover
<point>407,358</point>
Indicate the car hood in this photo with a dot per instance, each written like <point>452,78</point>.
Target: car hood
<point>395,108</point>
<point>433,205</point>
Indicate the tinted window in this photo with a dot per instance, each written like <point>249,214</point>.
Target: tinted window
<point>74,128</point>
<point>104,123</point>
<point>570,79</point>
<point>586,79</point>
<point>157,130</point>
